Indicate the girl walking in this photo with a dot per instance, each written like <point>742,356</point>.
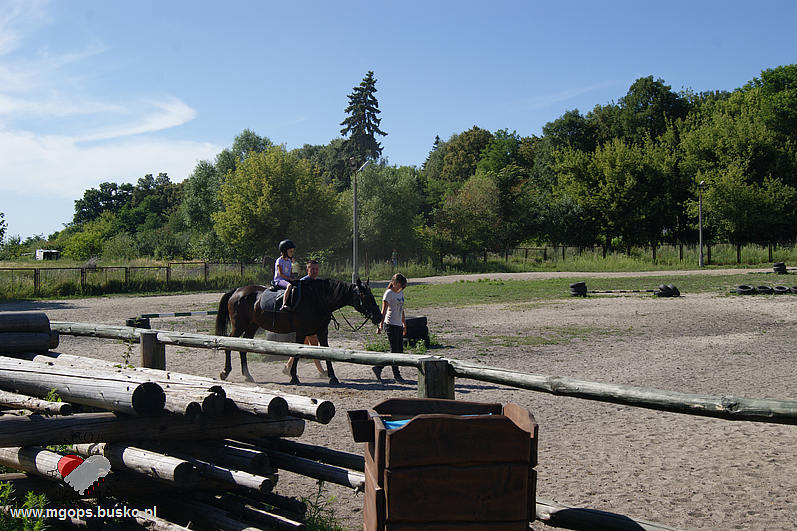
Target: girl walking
<point>393,321</point>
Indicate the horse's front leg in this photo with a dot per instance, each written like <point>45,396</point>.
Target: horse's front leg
<point>323,340</point>
<point>294,377</point>
<point>227,366</point>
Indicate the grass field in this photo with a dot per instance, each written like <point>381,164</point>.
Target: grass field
<point>467,292</point>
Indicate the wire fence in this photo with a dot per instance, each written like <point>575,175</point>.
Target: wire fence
<point>49,280</point>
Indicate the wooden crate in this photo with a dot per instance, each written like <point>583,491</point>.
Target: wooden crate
<point>454,465</point>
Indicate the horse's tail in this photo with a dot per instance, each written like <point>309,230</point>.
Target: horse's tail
<point>223,314</point>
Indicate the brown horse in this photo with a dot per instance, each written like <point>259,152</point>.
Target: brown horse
<point>317,300</point>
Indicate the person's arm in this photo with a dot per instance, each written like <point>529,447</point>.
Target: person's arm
<point>403,321</point>
<point>382,322</point>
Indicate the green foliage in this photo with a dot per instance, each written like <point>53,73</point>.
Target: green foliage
<point>362,123</point>
<point>120,246</point>
<point>386,196</point>
<point>3,227</point>
<point>379,344</point>
<point>274,195</point>
<point>32,501</point>
<point>320,515</point>
<point>109,197</point>
<point>91,239</point>
<point>779,99</point>
<point>463,153</point>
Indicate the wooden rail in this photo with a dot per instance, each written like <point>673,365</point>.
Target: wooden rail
<point>437,375</point>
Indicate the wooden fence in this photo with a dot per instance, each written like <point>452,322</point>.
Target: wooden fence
<point>19,280</point>
<point>436,378</point>
<point>436,375</point>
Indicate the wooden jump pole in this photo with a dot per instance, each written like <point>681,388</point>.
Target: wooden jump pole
<point>109,427</point>
<point>725,407</point>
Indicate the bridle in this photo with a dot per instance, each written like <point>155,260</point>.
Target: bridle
<point>358,307</point>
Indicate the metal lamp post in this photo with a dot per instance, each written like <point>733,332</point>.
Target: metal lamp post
<point>700,219</point>
<point>355,273</point>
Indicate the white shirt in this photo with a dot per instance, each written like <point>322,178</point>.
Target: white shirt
<point>395,307</point>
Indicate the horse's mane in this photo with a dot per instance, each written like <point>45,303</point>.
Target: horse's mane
<point>337,288</point>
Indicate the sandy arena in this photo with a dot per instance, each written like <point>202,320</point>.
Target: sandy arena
<point>684,471</point>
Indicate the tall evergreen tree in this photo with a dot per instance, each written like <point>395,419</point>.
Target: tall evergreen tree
<point>362,123</point>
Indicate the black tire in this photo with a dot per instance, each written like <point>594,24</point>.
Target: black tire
<point>794,289</point>
<point>674,290</point>
<point>745,289</point>
<point>578,289</point>
<point>763,290</point>
<point>416,327</point>
<point>138,322</point>
<point>780,290</point>
<point>664,291</point>
<point>415,320</point>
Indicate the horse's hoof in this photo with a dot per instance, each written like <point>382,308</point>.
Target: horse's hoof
<point>295,381</point>
<point>334,381</point>
<point>249,379</point>
<point>223,375</point>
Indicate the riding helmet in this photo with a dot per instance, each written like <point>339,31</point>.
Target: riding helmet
<point>285,245</point>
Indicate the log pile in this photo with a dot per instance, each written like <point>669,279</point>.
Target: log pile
<point>203,452</point>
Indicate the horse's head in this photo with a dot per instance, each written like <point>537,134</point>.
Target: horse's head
<point>364,302</point>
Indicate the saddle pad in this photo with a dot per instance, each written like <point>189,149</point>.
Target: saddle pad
<point>269,300</point>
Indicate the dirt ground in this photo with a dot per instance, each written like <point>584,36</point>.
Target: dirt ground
<point>684,471</point>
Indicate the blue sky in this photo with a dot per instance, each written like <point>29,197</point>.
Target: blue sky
<point>94,91</point>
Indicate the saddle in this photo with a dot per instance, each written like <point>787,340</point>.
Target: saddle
<point>270,300</point>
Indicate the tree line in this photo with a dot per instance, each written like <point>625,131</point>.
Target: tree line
<point>623,174</point>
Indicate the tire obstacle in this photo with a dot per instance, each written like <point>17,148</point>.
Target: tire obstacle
<point>579,289</point>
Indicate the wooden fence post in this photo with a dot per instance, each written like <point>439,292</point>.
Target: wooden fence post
<point>207,270</point>
<point>36,281</point>
<point>153,353</point>
<point>435,379</point>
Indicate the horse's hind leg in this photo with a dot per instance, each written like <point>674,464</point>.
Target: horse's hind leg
<point>227,361</point>
<point>323,340</point>
<point>294,376</point>
<point>248,334</point>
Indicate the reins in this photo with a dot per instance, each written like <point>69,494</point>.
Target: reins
<point>337,326</point>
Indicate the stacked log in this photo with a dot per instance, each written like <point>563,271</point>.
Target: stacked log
<point>25,332</point>
<point>211,447</point>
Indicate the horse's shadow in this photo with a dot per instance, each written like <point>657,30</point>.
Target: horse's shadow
<point>25,306</point>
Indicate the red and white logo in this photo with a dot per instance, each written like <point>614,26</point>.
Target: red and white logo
<point>81,474</point>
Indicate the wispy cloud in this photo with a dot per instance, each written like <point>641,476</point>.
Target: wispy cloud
<point>168,113</point>
<point>547,100</point>
<point>17,18</point>
<point>57,137</point>
<point>60,165</point>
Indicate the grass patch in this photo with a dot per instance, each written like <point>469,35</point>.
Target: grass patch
<point>487,291</point>
<point>320,515</point>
